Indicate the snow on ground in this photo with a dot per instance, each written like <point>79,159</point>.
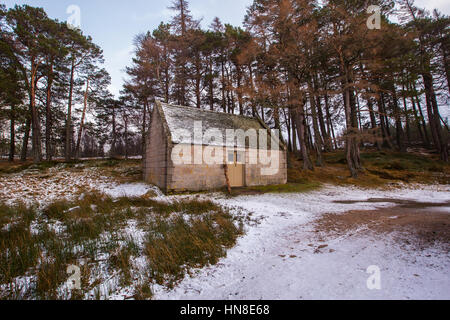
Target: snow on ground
<point>283,258</point>
<point>33,186</point>
<point>130,190</point>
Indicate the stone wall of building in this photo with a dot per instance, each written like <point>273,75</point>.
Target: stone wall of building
<point>195,177</point>
<point>200,177</point>
<point>253,172</point>
<point>155,160</point>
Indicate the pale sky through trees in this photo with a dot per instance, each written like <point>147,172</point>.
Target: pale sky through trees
<point>114,24</point>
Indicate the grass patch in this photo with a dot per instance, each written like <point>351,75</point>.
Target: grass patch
<point>121,170</point>
<point>90,233</point>
<point>19,249</point>
<point>25,251</point>
<point>143,292</point>
<point>17,167</point>
<point>177,245</point>
<point>120,260</point>
<point>380,170</point>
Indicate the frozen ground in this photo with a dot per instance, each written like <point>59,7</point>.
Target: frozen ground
<point>33,186</point>
<point>283,257</point>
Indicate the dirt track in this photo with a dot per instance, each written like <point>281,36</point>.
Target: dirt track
<point>423,223</point>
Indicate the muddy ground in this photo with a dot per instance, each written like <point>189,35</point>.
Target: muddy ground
<point>419,223</point>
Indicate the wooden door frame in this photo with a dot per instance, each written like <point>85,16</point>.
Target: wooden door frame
<point>235,162</point>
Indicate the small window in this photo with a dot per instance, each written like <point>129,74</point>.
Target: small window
<point>240,157</point>
<point>231,157</point>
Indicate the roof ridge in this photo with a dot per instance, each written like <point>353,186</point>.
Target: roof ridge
<point>210,111</point>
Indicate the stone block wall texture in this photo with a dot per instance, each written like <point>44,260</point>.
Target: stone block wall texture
<point>254,176</point>
<point>200,177</point>
<point>156,160</point>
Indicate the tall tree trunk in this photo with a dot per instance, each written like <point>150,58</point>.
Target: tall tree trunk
<point>405,105</point>
<point>211,85</point>
<point>293,132</point>
<point>26,137</point>
<point>12,134</point>
<point>373,119</point>
<point>35,123</point>
<point>239,90</point>
<point>373,123</point>
<point>198,80</point>
<point>126,136</point>
<point>417,118</point>
<point>276,118</point>
<point>330,122</point>
<point>351,135</point>
<point>299,117</point>
<point>48,115</point>
<point>358,111</point>
<point>144,128</point>
<point>384,126</point>
<point>317,137</point>
<point>114,133</point>
<point>326,137</point>
<point>398,120</point>
<point>83,116</point>
<point>351,145</point>
<point>167,78</point>
<point>434,117</point>
<point>224,104</point>
<point>287,123</point>
<point>68,144</point>
<point>299,122</point>
<point>422,118</point>
<point>386,118</point>
<point>252,86</point>
<point>291,120</point>
<point>309,139</point>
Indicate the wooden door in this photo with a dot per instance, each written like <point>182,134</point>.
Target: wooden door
<point>236,169</point>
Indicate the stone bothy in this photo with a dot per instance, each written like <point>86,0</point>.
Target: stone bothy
<point>189,149</point>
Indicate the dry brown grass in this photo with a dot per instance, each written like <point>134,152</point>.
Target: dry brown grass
<point>174,246</point>
<point>178,236</point>
<point>381,169</point>
<point>122,170</point>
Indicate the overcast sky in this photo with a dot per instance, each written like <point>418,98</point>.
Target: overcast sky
<point>113,24</point>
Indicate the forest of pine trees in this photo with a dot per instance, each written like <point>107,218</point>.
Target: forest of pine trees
<point>312,69</point>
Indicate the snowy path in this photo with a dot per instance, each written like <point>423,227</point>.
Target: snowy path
<point>283,258</point>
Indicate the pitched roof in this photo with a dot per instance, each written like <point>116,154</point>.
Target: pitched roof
<point>181,118</point>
